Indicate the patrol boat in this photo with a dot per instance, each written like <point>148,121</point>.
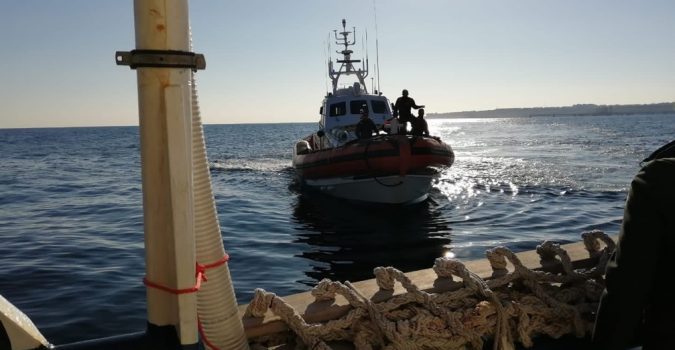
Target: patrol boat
<point>389,168</point>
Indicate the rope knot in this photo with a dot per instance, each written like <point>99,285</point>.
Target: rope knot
<point>384,278</point>
<point>200,273</point>
<point>446,267</point>
<point>592,242</point>
<point>261,302</point>
<point>325,290</point>
<point>497,261</point>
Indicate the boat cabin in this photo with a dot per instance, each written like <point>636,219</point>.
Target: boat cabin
<point>343,109</point>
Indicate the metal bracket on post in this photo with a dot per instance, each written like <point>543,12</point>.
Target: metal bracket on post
<point>160,59</point>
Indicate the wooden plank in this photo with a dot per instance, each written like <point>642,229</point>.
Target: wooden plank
<point>426,280</point>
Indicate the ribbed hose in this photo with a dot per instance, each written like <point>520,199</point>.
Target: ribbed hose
<point>216,302</point>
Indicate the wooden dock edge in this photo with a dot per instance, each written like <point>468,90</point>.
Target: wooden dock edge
<point>426,280</point>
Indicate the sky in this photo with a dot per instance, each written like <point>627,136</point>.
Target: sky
<point>266,60</point>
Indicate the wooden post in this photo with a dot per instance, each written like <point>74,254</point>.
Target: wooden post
<point>165,128</point>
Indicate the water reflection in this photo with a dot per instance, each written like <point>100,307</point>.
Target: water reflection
<point>346,241</point>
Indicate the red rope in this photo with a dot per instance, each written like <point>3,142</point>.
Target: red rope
<point>203,335</point>
<point>200,275</point>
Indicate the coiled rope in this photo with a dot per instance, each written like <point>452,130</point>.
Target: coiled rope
<point>514,305</point>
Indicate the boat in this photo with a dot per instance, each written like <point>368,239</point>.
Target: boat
<point>388,168</point>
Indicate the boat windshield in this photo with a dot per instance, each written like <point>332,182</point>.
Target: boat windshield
<point>338,109</point>
<point>355,106</point>
<point>379,107</point>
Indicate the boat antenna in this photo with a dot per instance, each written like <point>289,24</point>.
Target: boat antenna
<point>367,63</point>
<point>377,51</point>
<point>327,59</point>
<point>346,63</point>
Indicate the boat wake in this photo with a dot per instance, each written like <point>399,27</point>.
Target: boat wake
<point>250,166</point>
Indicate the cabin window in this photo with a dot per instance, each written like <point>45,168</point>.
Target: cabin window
<point>379,107</point>
<point>356,106</point>
<point>338,109</point>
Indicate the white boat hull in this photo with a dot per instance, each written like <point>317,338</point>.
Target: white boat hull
<point>399,190</point>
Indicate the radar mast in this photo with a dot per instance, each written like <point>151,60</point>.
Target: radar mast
<point>347,63</point>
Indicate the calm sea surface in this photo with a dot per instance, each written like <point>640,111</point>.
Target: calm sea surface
<point>71,228</point>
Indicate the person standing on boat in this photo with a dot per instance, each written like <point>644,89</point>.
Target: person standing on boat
<point>637,305</point>
<point>402,108</point>
<point>365,127</point>
<point>419,124</point>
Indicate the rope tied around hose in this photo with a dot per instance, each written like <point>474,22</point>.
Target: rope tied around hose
<point>200,275</point>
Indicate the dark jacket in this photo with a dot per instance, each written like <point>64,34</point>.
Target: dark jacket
<point>637,305</point>
<point>403,105</point>
<point>365,128</point>
<point>419,127</point>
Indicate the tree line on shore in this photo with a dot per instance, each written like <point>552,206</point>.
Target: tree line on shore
<point>576,110</point>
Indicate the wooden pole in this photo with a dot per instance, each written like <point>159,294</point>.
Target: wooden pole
<point>165,128</point>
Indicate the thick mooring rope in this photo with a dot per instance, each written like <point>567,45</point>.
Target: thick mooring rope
<point>513,306</point>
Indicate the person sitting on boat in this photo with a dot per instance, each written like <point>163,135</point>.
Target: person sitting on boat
<point>402,108</point>
<point>365,127</point>
<point>419,124</point>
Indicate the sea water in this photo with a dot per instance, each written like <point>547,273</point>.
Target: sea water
<point>71,221</point>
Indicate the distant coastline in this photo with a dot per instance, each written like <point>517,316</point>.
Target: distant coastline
<point>576,110</point>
